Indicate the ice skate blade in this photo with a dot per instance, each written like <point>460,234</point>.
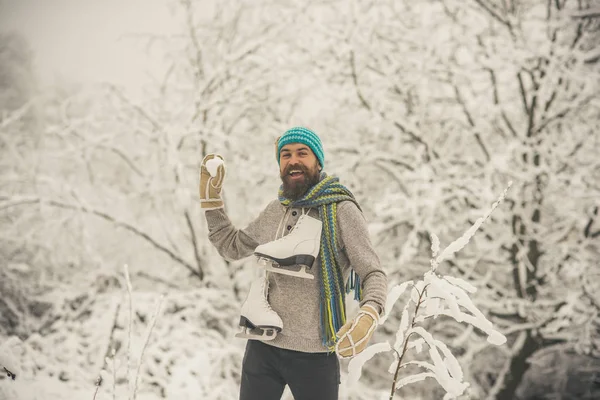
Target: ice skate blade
<point>257,334</point>
<point>249,336</point>
<point>300,259</point>
<point>300,274</point>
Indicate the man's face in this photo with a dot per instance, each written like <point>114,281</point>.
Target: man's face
<point>299,170</point>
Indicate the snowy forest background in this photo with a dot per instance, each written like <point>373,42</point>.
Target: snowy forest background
<point>426,109</point>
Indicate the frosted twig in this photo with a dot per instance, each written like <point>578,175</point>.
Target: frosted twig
<point>109,340</point>
<point>98,383</point>
<point>357,362</point>
<point>114,385</point>
<point>435,244</point>
<point>150,328</point>
<point>130,326</point>
<point>401,356</point>
<point>392,298</point>
<point>462,241</point>
<point>454,291</point>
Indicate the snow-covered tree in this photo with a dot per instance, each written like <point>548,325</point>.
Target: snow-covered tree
<point>457,98</point>
<point>426,112</point>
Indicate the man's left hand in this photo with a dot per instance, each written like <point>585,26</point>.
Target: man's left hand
<point>354,336</point>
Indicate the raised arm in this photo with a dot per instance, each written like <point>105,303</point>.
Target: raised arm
<point>230,242</point>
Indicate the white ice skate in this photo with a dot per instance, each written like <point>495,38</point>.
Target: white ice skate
<point>299,247</point>
<point>257,319</point>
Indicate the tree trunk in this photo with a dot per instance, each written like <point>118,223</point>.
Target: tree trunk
<point>518,367</point>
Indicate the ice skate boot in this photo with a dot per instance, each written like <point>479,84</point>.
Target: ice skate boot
<point>299,247</point>
<point>257,319</point>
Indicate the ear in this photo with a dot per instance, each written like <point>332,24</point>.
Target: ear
<point>276,146</point>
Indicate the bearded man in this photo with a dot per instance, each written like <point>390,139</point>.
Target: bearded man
<point>315,332</point>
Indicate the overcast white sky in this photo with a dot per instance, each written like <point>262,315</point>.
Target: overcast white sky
<point>89,40</point>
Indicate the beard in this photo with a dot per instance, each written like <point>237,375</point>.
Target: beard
<point>295,189</point>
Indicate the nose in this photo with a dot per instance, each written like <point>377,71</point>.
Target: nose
<point>293,160</point>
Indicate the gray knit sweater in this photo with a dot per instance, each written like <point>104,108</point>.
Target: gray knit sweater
<point>297,300</point>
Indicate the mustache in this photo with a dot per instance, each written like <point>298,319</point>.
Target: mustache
<point>300,167</point>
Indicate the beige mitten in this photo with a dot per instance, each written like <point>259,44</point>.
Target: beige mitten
<point>354,336</point>
<point>212,174</point>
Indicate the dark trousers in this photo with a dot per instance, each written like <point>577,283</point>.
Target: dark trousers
<point>267,369</point>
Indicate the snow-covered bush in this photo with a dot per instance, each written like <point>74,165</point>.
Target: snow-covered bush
<point>431,297</point>
<point>109,341</point>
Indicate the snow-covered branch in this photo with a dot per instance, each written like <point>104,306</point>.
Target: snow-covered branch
<point>435,295</point>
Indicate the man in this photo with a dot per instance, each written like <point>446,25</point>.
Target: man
<point>303,354</point>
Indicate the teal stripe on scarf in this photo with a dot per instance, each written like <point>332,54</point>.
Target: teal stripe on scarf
<point>325,196</point>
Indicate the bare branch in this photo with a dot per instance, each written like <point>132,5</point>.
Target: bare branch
<point>508,123</point>
<point>405,345</point>
<point>523,93</point>
<point>156,279</point>
<point>463,104</point>
<point>106,217</point>
<point>532,107</point>
<point>552,97</point>
<point>494,85</point>
<point>482,145</point>
<point>393,174</point>
<point>461,101</point>
<point>490,10</point>
<point>404,129</point>
<point>139,109</point>
<point>546,121</point>
<point>588,227</point>
<point>589,13</point>
<point>197,59</point>
<point>355,80</point>
<point>194,244</point>
<point>589,293</point>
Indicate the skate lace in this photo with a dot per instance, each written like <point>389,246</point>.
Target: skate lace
<point>266,293</point>
<point>298,223</point>
<point>282,223</point>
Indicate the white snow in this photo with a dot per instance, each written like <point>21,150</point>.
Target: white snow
<point>419,106</point>
<point>392,297</point>
<point>213,164</point>
<point>356,364</point>
<point>435,245</point>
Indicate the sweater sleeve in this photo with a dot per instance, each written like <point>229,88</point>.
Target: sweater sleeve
<point>356,243</point>
<point>230,242</point>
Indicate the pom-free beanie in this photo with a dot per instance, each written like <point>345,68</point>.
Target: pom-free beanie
<point>304,136</point>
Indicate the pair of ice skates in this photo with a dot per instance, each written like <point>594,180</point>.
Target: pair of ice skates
<point>299,247</point>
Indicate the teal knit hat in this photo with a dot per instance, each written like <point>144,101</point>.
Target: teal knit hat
<point>304,136</point>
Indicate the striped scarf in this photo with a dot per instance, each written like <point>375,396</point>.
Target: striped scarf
<point>325,196</point>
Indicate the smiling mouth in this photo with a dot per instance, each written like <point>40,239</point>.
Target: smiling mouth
<point>295,173</point>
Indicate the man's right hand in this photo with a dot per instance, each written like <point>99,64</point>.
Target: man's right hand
<point>212,174</point>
